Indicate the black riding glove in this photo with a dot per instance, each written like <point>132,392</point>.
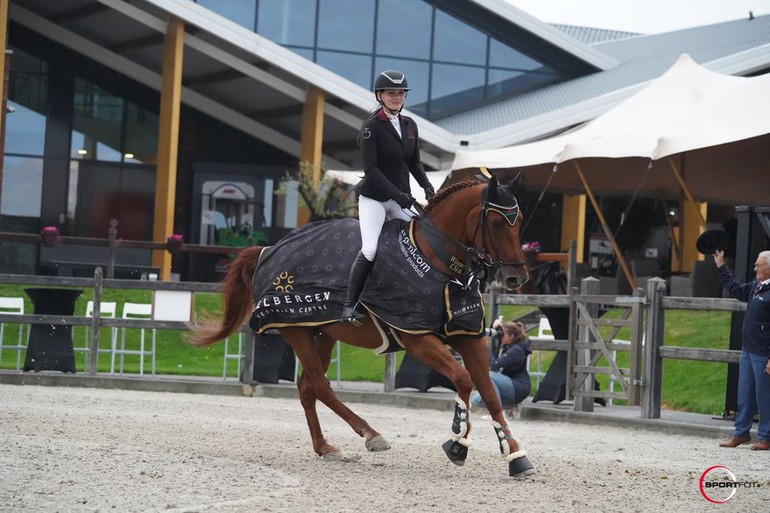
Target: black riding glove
<point>403,199</point>
<point>429,192</point>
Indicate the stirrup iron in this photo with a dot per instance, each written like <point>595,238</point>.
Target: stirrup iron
<point>351,315</point>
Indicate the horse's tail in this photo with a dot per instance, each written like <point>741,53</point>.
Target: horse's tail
<point>236,295</point>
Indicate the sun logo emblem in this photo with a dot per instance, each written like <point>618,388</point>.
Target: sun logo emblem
<point>284,282</point>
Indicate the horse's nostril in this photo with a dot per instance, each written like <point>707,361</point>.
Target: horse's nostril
<point>512,283</point>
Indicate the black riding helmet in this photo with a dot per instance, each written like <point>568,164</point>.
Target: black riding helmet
<point>390,79</point>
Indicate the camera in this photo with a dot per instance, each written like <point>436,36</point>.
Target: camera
<point>494,333</point>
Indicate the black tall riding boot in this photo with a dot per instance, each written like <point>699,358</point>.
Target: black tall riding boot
<point>356,280</point>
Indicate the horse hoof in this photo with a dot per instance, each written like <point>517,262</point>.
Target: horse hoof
<point>377,444</point>
<point>332,456</point>
<point>456,452</point>
<point>520,467</point>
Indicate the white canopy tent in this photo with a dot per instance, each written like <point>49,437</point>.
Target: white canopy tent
<point>436,178</point>
<point>713,129</point>
<point>691,133</point>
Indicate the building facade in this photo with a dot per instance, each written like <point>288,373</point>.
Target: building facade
<point>84,124</point>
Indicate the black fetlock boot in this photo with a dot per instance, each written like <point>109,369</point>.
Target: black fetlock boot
<point>359,272</point>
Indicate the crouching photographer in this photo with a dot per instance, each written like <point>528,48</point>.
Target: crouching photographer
<point>494,335</point>
<point>509,348</point>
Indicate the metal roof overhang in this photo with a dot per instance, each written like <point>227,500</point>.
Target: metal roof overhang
<point>544,41</point>
<point>229,72</point>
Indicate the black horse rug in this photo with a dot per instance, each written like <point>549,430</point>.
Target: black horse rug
<point>301,281</point>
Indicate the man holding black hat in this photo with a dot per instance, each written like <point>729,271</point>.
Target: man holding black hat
<point>754,365</point>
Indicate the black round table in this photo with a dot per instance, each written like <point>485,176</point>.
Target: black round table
<point>50,346</point>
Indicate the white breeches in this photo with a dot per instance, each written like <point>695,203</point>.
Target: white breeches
<point>371,216</point>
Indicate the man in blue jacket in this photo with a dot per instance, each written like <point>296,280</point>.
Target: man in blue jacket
<point>754,366</point>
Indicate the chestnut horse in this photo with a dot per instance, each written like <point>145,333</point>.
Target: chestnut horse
<point>471,226</point>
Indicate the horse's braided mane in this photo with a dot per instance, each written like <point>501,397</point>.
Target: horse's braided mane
<point>443,193</point>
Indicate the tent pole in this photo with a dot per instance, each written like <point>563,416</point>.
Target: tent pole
<point>685,189</point>
<point>607,231</point>
<point>671,234</point>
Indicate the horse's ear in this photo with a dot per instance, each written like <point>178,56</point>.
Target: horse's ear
<point>492,187</point>
<point>514,184</point>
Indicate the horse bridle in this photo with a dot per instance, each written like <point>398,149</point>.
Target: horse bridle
<point>480,265</point>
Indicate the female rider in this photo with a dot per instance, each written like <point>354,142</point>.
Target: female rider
<point>391,150</point>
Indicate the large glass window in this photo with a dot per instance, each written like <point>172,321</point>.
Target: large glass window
<point>240,11</point>
<point>455,41</point>
<point>307,53</point>
<point>20,209</point>
<point>356,68</point>
<point>511,71</point>
<point>346,25</point>
<point>501,81</point>
<point>288,22</point>
<point>25,131</point>
<point>454,86</point>
<point>427,43</point>
<point>97,123</point>
<point>22,186</point>
<point>108,128</point>
<point>503,56</point>
<point>410,36</point>
<point>140,139</point>
<point>28,105</point>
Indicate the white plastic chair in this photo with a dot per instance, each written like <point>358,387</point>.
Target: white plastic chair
<point>134,311</point>
<point>612,378</point>
<point>13,306</point>
<point>106,309</point>
<point>544,332</point>
<point>238,357</point>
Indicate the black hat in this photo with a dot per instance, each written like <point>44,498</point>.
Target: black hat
<point>712,240</point>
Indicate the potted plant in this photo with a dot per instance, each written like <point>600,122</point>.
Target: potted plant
<point>50,235</point>
<point>174,243</point>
